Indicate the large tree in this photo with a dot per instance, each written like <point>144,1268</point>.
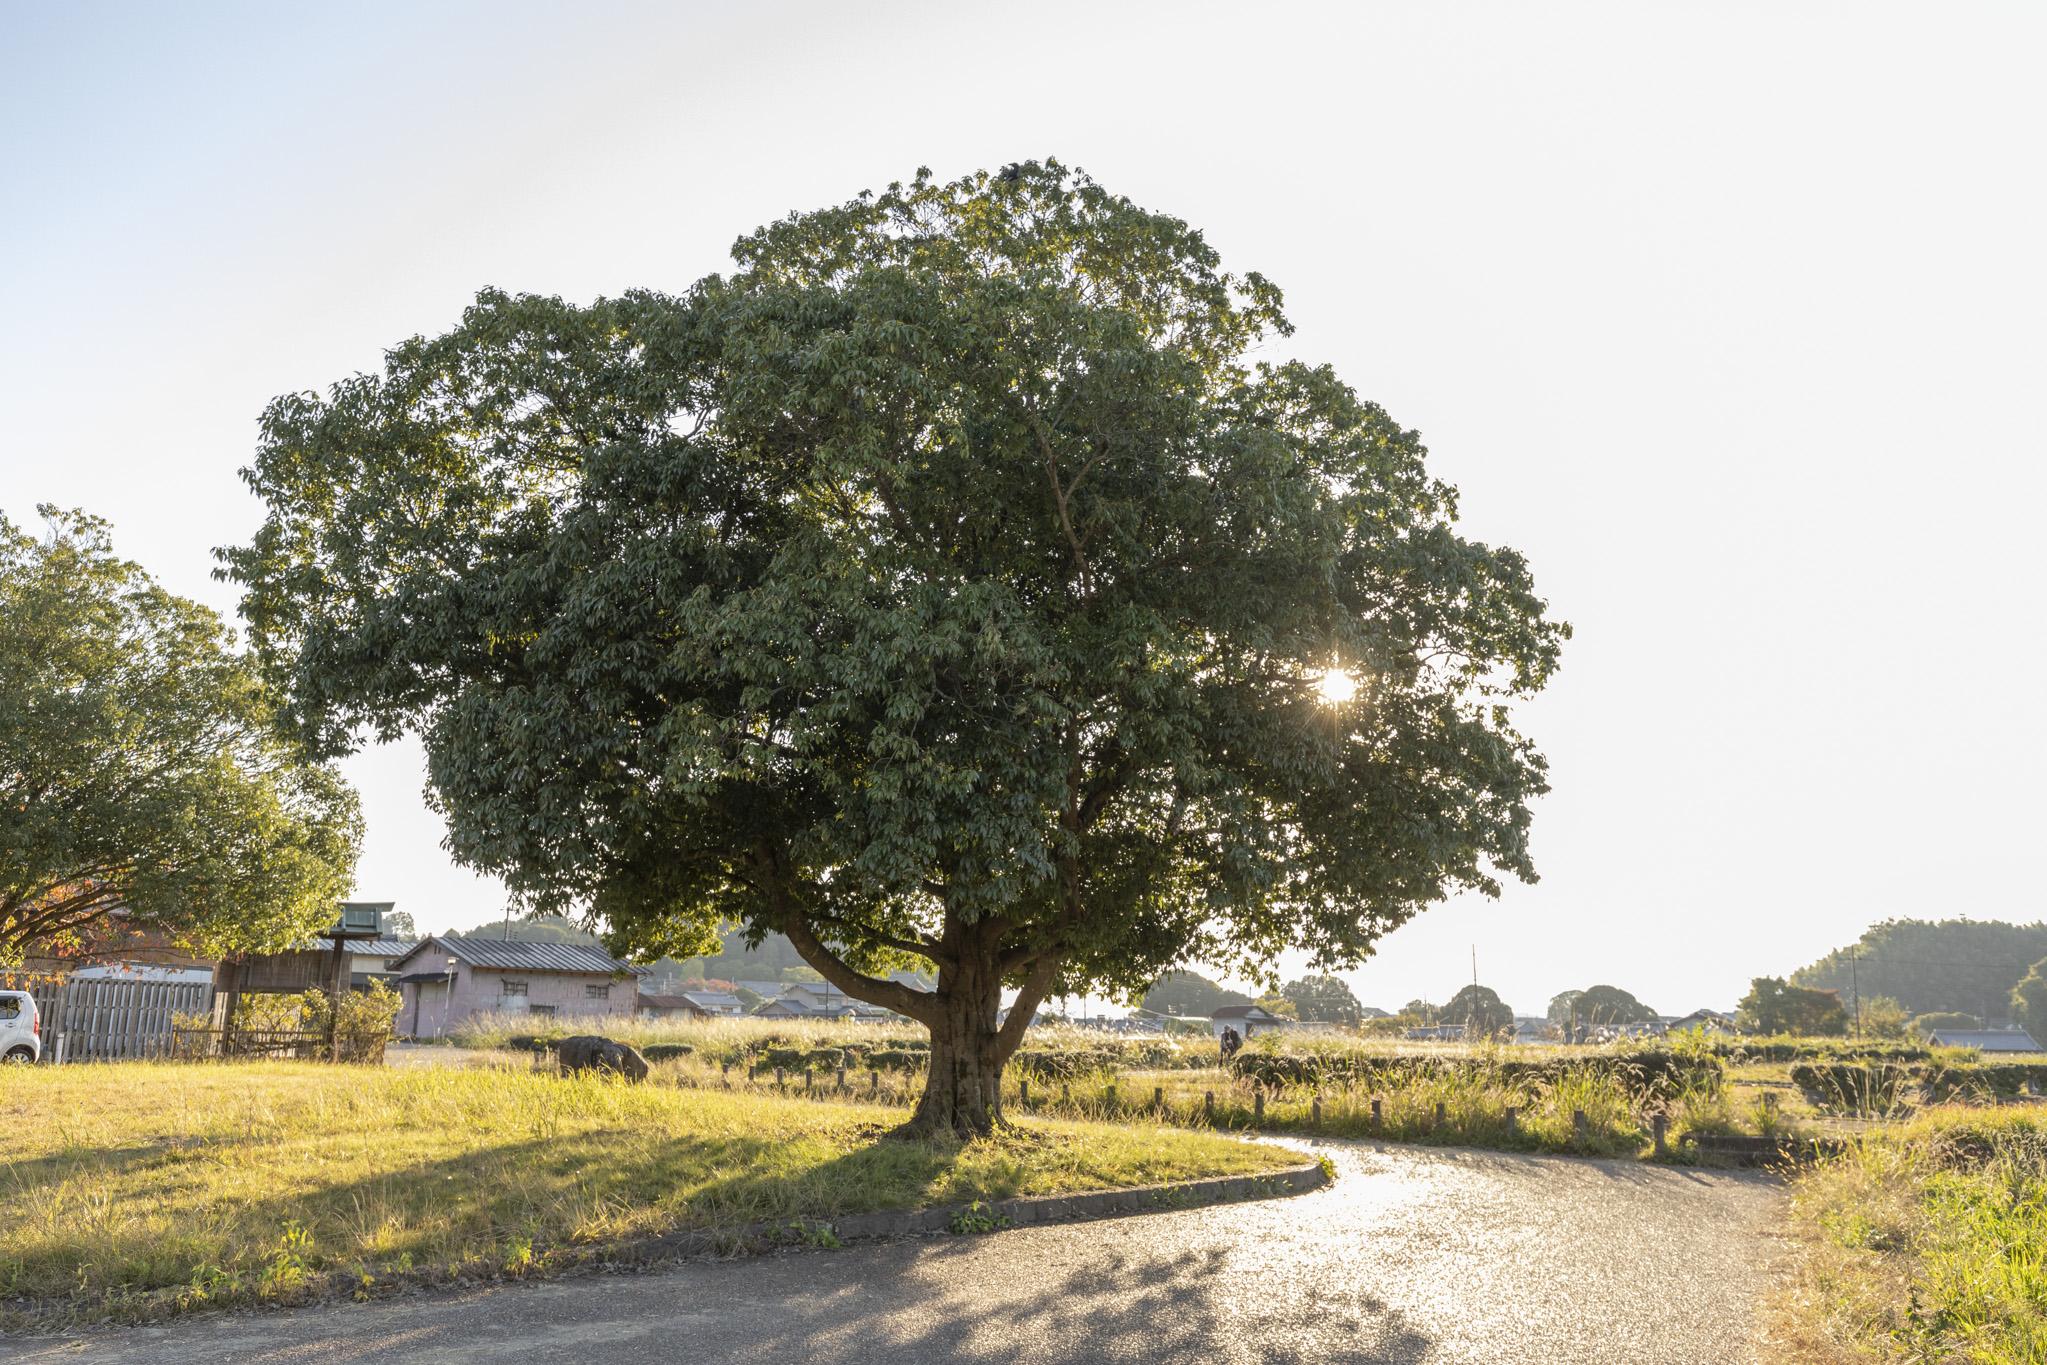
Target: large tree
<point>1481,1011</point>
<point>1606,1007</point>
<point>1771,1006</point>
<point>141,778</point>
<point>945,586</point>
<point>2029,1000</point>
<point>1323,999</point>
<point>1189,993</point>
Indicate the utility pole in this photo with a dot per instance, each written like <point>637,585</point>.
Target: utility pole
<point>1855,987</point>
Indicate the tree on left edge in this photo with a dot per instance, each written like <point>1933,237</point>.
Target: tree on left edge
<point>141,778</point>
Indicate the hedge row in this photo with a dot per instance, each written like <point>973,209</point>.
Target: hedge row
<point>1644,1073</point>
<point>1852,1087</point>
<point>1816,1049</point>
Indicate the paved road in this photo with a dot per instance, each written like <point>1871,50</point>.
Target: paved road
<point>1414,1255</point>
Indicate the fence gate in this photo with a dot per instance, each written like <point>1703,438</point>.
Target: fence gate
<point>105,1021</point>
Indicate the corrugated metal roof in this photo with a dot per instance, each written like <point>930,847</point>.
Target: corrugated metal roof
<point>382,947</point>
<point>1986,1040</point>
<point>520,956</point>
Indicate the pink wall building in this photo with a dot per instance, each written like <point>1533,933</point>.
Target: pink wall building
<point>447,978</point>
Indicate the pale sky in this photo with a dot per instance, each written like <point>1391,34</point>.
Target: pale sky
<point>1729,316</point>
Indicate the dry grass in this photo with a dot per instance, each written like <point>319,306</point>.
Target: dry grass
<point>1926,1243</point>
<point>141,1189</point>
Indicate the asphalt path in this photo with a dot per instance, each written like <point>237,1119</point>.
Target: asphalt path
<point>1413,1255</point>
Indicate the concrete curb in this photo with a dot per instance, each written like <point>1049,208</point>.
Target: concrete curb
<point>980,1217</point>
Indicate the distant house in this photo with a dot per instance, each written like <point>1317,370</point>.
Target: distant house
<point>723,1004</point>
<point>820,1000</point>
<point>447,978</point>
<point>669,1007</point>
<point>1531,1029</point>
<point>1246,1020</point>
<point>1985,1040</point>
<point>1706,1021</point>
<point>1436,1033</point>
<point>1373,1012</point>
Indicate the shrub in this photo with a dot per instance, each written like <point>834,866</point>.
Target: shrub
<point>1850,1088</point>
<point>1964,1082</point>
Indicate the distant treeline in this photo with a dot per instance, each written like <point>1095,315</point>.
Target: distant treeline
<point>1934,966</point>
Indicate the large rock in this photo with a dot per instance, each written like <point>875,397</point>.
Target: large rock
<point>587,1052</point>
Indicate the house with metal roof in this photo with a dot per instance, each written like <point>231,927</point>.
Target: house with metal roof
<point>654,1005</point>
<point>1985,1040</point>
<point>445,979</point>
<point>1246,1020</point>
<point>724,1004</point>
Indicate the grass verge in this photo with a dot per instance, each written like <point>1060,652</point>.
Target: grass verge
<point>1926,1243</point>
<point>138,1190</point>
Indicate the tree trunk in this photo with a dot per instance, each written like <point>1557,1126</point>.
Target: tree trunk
<point>963,1092</point>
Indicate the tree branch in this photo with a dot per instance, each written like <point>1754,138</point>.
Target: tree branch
<point>1028,998</point>
<point>791,919</point>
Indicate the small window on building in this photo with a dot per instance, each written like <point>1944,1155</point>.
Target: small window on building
<point>597,992</point>
<point>546,1010</point>
<point>511,988</point>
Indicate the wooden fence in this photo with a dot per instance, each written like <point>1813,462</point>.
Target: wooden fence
<point>104,1021</point>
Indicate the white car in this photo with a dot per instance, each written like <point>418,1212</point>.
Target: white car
<point>21,1028</point>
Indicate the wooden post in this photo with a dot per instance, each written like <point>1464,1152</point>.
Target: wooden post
<point>1208,1106</point>
<point>1258,1104</point>
<point>1377,1113</point>
<point>874,1080</point>
<point>809,1079</point>
<point>842,1078</point>
<point>336,984</point>
<point>1023,1092</point>
<point>1578,1126</point>
<point>1657,1128</point>
<point>1109,1098</point>
<point>1318,1109</point>
<point>1065,1096</point>
<point>778,1078</point>
<point>1441,1116</point>
<point>1513,1120</point>
<point>1158,1098</point>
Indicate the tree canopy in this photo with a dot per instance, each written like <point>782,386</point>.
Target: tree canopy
<point>531,929</point>
<point>1189,994</point>
<point>1771,1006</point>
<point>946,583</point>
<point>1925,1024</point>
<point>1480,1011</point>
<point>1604,1007</point>
<point>1323,1000</point>
<point>140,773</point>
<point>2029,1000</point>
<point>1950,966</point>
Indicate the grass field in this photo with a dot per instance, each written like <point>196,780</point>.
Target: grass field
<point>141,1189</point>
<point>1926,1243</point>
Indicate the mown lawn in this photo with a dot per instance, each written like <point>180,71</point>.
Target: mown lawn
<point>1927,1242</point>
<point>141,1189</point>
